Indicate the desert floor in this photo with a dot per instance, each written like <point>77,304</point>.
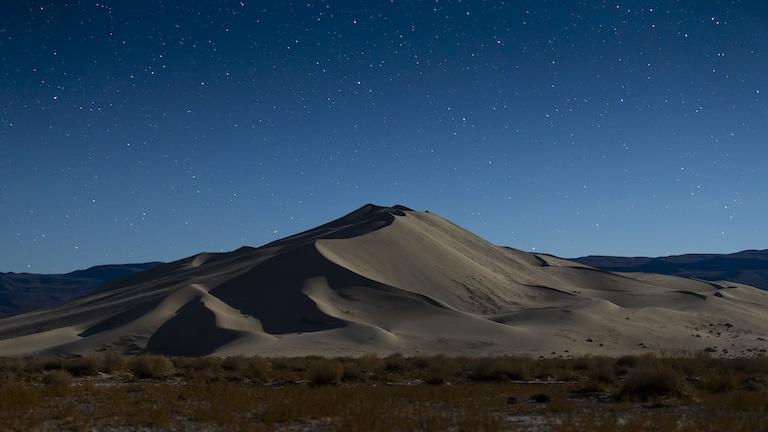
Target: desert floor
<point>110,392</point>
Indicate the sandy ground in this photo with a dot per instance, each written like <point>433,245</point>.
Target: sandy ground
<point>383,280</point>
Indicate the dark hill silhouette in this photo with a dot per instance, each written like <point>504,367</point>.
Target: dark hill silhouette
<point>749,267</point>
<point>23,292</point>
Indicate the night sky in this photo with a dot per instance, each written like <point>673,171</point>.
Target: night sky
<point>152,130</point>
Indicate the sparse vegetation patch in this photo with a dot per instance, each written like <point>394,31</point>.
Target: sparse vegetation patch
<point>111,392</point>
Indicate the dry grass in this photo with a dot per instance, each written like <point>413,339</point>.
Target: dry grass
<point>325,372</point>
<point>648,383</point>
<point>498,369</point>
<point>150,366</point>
<point>110,362</point>
<point>82,366</point>
<point>108,391</point>
<point>57,378</point>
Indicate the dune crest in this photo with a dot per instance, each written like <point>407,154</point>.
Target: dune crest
<point>390,279</point>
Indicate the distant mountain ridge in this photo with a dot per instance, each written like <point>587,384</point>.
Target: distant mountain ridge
<point>749,267</point>
<point>23,292</point>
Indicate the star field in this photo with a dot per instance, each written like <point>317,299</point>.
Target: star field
<point>138,131</point>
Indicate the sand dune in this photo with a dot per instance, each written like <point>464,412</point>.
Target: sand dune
<point>389,279</point>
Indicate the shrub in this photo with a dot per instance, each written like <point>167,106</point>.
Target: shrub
<point>435,377</point>
<point>234,364</point>
<point>44,364</point>
<point>602,374</point>
<point>484,369</point>
<point>581,363</point>
<point>422,362</point>
<point>281,364</point>
<point>182,362</point>
<point>111,362</point>
<point>747,401</point>
<point>544,369</point>
<point>440,369</point>
<point>497,369</point>
<point>395,363</point>
<point>82,366</point>
<point>651,382</point>
<point>57,378</point>
<point>325,372</point>
<point>354,373</point>
<point>624,363</point>
<point>258,369</point>
<point>10,369</point>
<point>370,363</point>
<point>210,364</point>
<point>749,365</point>
<point>590,387</point>
<point>17,399</point>
<point>150,366</point>
<point>688,366</point>
<point>719,382</point>
<point>566,375</point>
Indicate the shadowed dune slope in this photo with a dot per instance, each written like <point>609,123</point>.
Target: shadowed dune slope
<point>389,279</point>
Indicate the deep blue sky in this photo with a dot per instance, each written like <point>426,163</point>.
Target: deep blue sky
<point>153,130</point>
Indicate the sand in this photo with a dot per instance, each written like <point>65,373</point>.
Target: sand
<point>388,279</point>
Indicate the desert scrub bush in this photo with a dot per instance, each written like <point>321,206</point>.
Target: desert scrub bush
<point>325,372</point>
<point>689,366</point>
<point>497,369</point>
<point>150,366</point>
<point>57,378</point>
<point>746,401</point>
<point>483,369</point>
<point>560,404</point>
<point>435,377</point>
<point>211,364</point>
<point>601,374</point>
<point>41,364</point>
<point>111,362</point>
<point>353,372</point>
<point>718,382</point>
<point>203,369</point>
<point>599,377</point>
<point>440,369</point>
<point>10,363</point>
<point>234,364</point>
<point>544,369</point>
<point>182,362</point>
<point>363,369</point>
<point>281,364</point>
<point>82,366</point>
<point>651,382</point>
<point>10,369</point>
<point>17,400</point>
<point>370,362</point>
<point>757,365</point>
<point>581,363</point>
<point>395,363</point>
<point>590,387</point>
<point>258,369</point>
<point>627,362</point>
